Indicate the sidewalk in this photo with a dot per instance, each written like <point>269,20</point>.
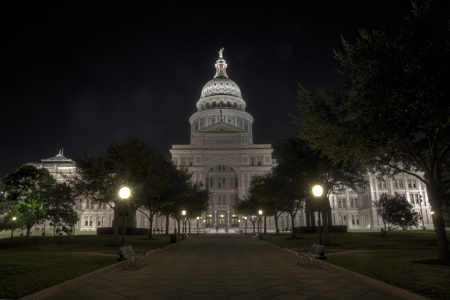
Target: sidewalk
<point>224,266</point>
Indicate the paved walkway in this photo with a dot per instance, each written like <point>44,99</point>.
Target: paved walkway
<point>220,266</point>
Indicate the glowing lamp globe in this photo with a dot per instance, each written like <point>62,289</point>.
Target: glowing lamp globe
<point>317,190</point>
<point>124,193</point>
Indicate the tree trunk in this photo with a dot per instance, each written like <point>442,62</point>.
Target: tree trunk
<point>116,225</point>
<point>178,223</point>
<point>326,235</point>
<point>292,227</point>
<point>150,221</point>
<point>253,227</point>
<point>277,230</point>
<point>265,225</point>
<point>28,230</point>
<point>167,224</point>
<point>436,200</point>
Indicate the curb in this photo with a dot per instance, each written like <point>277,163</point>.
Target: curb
<point>70,284</point>
<point>371,282</point>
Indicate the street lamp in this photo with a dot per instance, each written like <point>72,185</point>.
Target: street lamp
<point>124,193</point>
<point>260,212</point>
<point>245,225</point>
<point>421,213</point>
<point>432,219</point>
<point>317,191</point>
<point>14,226</point>
<point>184,224</point>
<point>198,218</point>
<point>204,226</point>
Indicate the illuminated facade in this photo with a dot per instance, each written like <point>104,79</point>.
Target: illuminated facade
<point>221,153</point>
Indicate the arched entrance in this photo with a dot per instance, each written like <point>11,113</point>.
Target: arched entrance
<point>222,180</point>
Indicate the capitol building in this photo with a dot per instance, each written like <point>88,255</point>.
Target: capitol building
<point>222,154</point>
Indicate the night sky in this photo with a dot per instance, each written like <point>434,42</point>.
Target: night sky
<point>75,74</point>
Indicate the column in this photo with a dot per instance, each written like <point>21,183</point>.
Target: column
<point>215,218</point>
<point>229,218</point>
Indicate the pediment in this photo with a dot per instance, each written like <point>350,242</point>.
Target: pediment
<point>220,127</point>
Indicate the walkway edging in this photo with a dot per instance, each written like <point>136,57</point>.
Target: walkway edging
<point>407,295</point>
<point>69,284</point>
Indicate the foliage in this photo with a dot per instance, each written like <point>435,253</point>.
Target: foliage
<point>311,168</point>
<point>29,190</point>
<point>396,211</point>
<point>394,117</point>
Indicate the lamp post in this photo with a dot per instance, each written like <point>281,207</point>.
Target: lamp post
<point>317,191</point>
<point>432,219</point>
<point>245,225</point>
<point>260,212</point>
<point>14,226</point>
<point>421,213</point>
<point>204,226</point>
<point>124,193</point>
<point>198,218</point>
<point>184,224</point>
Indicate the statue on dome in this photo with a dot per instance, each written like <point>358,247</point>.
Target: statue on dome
<point>220,52</point>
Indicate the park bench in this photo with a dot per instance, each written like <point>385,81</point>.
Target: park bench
<point>188,237</point>
<point>131,259</point>
<point>255,237</point>
<point>310,258</point>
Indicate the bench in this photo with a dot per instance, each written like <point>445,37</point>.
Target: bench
<point>255,237</point>
<point>188,237</point>
<point>311,257</point>
<point>131,258</point>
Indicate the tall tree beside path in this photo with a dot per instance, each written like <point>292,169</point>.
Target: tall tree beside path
<point>395,116</point>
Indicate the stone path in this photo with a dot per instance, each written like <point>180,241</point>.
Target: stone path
<point>220,266</point>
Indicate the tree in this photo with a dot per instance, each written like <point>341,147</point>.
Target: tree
<point>396,211</point>
<point>316,168</point>
<point>29,190</point>
<point>99,179</point>
<point>60,207</point>
<point>394,117</point>
<point>262,189</point>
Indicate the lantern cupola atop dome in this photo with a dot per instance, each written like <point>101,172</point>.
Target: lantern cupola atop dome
<point>221,66</point>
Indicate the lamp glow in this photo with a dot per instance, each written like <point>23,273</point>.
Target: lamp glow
<point>317,190</point>
<point>124,193</point>
<point>260,212</point>
<point>183,212</point>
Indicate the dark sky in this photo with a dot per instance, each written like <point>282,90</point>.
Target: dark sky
<point>75,74</point>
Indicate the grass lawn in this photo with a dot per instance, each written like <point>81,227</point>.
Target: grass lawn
<point>32,264</point>
<point>393,267</point>
<point>22,273</point>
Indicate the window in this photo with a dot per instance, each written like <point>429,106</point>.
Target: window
<point>344,205</point>
<point>400,184</point>
<point>90,221</point>
<point>256,160</point>
<point>394,182</point>
<point>232,183</point>
<point>86,219</point>
<point>339,203</point>
<point>356,202</point>
<point>357,219</point>
<point>353,219</point>
<point>412,184</point>
<point>211,183</point>
<point>236,182</point>
<point>219,184</point>
<point>224,142</point>
<point>87,206</point>
<point>237,142</point>
<point>351,203</point>
<point>230,142</point>
<point>218,142</point>
<point>224,182</point>
<point>382,184</point>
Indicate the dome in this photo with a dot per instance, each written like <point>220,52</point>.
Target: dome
<point>221,86</point>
